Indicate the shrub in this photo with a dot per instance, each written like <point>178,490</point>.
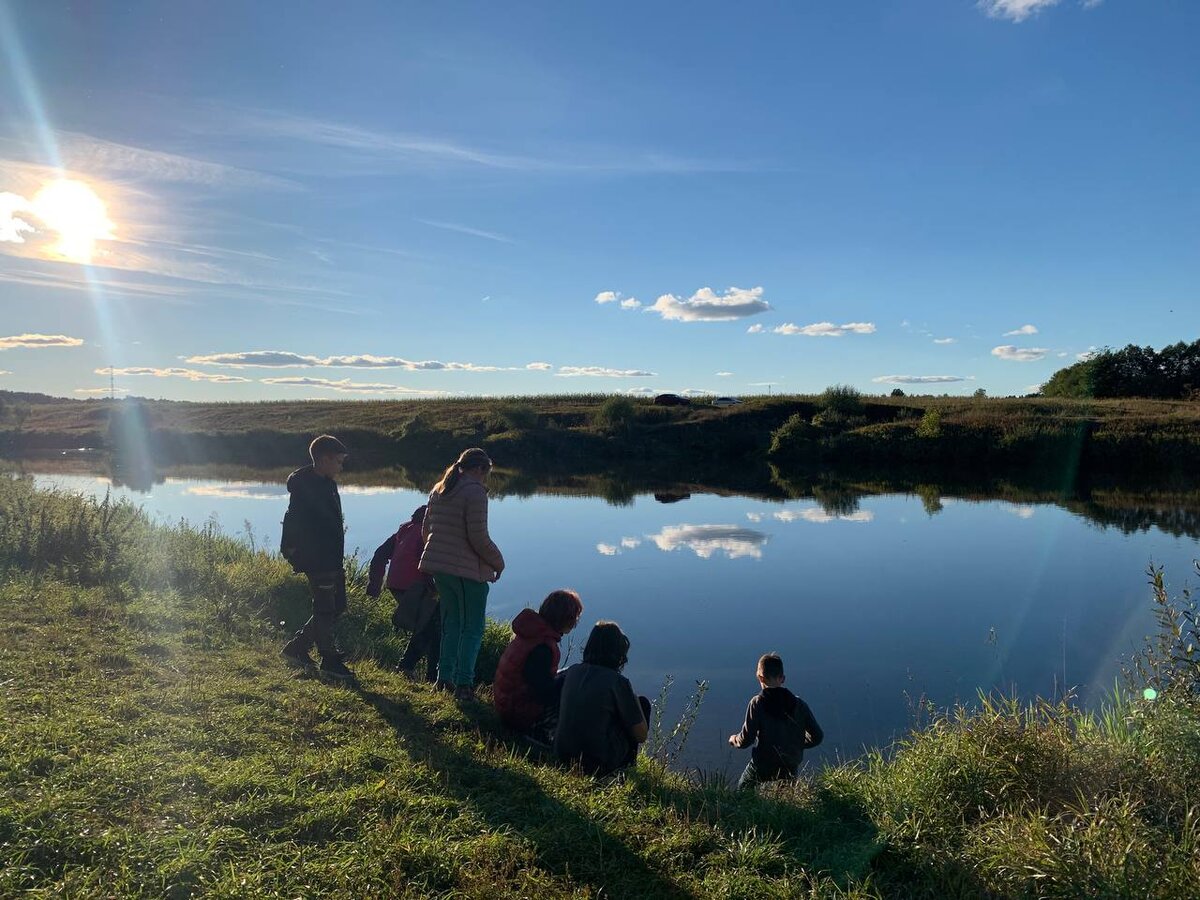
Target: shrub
<point>931,424</point>
<point>842,399</point>
<point>518,416</point>
<point>616,414</point>
<point>896,392</point>
<point>792,437</point>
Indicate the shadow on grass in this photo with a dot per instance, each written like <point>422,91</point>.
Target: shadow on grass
<point>568,845</point>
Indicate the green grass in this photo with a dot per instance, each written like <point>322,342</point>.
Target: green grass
<point>155,746</point>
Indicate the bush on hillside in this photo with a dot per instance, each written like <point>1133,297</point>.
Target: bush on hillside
<point>842,399</point>
<point>616,414</point>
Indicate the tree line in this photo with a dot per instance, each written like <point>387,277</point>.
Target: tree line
<point>1172,373</point>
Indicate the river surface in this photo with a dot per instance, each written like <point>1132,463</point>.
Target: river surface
<point>873,606</point>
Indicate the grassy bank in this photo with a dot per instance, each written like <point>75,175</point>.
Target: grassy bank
<point>154,746</point>
<point>592,433</point>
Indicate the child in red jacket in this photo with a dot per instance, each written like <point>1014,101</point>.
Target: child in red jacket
<point>416,598</point>
<point>526,689</point>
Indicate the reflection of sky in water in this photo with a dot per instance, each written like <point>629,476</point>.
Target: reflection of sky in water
<point>881,604</point>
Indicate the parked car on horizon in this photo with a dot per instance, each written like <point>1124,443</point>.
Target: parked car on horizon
<point>671,400</point>
<point>726,401</point>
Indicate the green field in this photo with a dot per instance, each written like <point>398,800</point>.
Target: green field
<point>155,746</point>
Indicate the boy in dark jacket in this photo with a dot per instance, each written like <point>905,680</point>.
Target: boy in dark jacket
<point>314,542</point>
<point>779,725</point>
<point>416,597</point>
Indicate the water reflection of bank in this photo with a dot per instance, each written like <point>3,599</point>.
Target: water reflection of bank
<point>837,495</point>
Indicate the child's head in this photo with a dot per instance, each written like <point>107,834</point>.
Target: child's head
<point>770,670</point>
<point>607,646</point>
<point>328,454</point>
<point>561,609</point>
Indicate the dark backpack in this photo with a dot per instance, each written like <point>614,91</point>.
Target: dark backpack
<point>293,542</point>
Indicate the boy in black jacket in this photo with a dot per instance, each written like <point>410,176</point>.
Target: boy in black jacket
<point>779,725</point>
<point>314,540</point>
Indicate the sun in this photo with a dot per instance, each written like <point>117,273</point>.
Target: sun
<point>76,212</point>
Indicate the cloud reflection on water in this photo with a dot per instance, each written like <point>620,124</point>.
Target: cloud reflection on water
<point>705,540</point>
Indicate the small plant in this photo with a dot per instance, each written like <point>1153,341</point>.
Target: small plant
<point>1170,662</point>
<point>518,416</point>
<point>667,748</point>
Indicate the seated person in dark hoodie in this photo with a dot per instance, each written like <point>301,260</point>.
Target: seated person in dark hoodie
<point>314,542</point>
<point>416,596</point>
<point>601,721</point>
<point>779,725</point>
<point>526,688</point>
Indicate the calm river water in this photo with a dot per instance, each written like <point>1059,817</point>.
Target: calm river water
<point>871,607</point>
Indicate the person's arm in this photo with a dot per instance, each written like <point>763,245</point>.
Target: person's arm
<point>477,529</point>
<point>630,712</point>
<point>750,728</point>
<point>379,564</point>
<point>426,528</point>
<point>814,735</point>
<point>539,674</point>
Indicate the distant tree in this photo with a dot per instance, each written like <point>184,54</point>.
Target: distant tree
<point>896,392</point>
<point>1169,374</point>
<point>841,398</point>
<point>979,393</point>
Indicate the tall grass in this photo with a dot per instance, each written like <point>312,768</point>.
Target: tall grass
<point>154,746</point>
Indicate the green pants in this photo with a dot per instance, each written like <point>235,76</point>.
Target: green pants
<point>463,605</point>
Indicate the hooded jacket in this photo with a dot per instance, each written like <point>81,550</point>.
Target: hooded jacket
<point>519,708</point>
<point>314,535</point>
<point>781,727</point>
<point>456,534</point>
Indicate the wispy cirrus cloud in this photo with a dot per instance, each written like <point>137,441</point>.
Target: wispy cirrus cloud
<point>5,372</point>
<point>175,372</point>
<point>920,379</point>
<point>1023,330</point>
<point>826,329</point>
<point>539,366</point>
<point>1019,354</point>
<point>38,341</point>
<point>1020,10</point>
<point>707,306</point>
<point>285,359</point>
<point>391,150</point>
<point>466,229</point>
<point>346,386</point>
<point>947,340</point>
<point>601,372</point>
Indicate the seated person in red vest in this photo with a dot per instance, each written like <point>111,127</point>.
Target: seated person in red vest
<point>416,597</point>
<point>526,686</point>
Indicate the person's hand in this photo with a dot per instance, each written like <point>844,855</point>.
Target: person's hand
<point>733,740</point>
<point>495,577</point>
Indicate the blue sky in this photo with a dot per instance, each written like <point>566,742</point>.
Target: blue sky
<point>276,200</point>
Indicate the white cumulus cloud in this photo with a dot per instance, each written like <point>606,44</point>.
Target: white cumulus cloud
<point>733,541</point>
<point>175,372</point>
<point>285,359</point>
<point>724,374</point>
<point>945,340</point>
<point>826,329</point>
<point>1019,354</point>
<point>706,306</point>
<point>1015,10</point>
<point>631,303</point>
<point>754,329</point>
<point>1024,329</point>
<point>346,386</point>
<point>37,341</point>
<point>919,379</point>
<point>818,516</point>
<point>608,296</point>
<point>607,549</point>
<point>601,372</point>
<point>539,366</point>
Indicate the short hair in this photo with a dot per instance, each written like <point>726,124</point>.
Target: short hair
<point>326,445</point>
<point>607,646</point>
<point>770,665</point>
<point>561,609</point>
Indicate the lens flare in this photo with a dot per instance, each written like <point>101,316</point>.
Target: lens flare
<point>77,214</point>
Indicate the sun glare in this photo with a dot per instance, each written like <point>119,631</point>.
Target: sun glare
<point>77,214</point>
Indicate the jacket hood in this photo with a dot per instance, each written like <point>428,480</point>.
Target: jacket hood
<point>778,701</point>
<point>299,476</point>
<point>528,624</point>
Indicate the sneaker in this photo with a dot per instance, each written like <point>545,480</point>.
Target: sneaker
<point>464,692</point>
<point>296,656</point>
<point>335,668</point>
